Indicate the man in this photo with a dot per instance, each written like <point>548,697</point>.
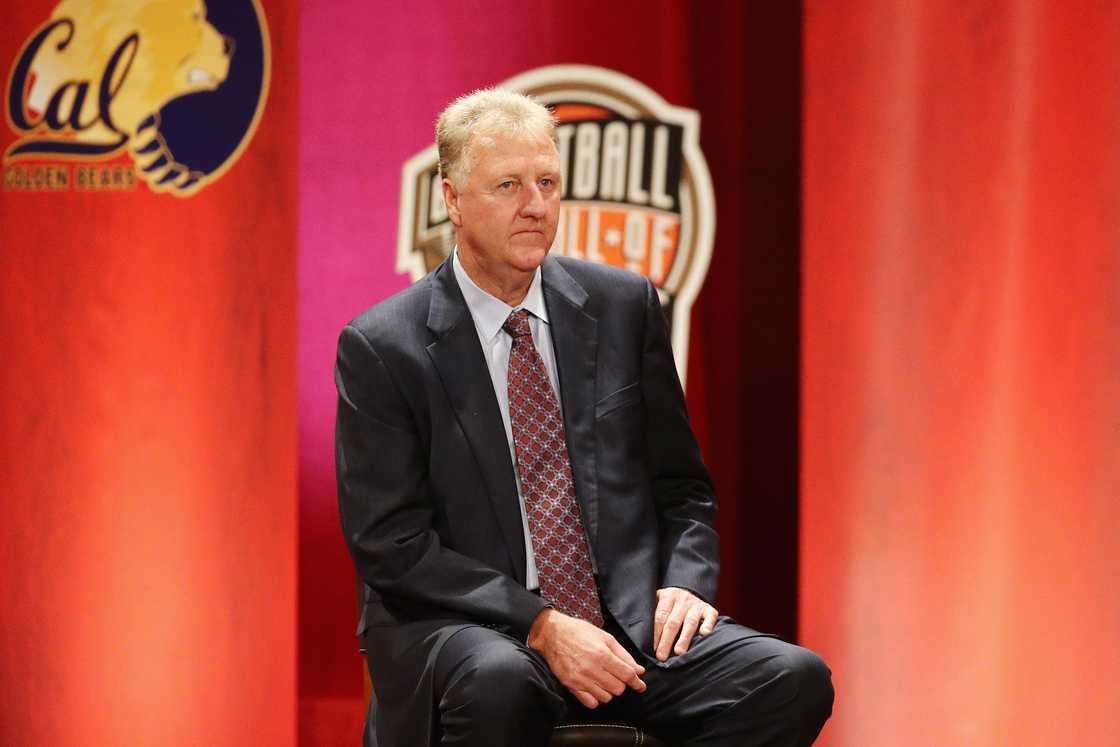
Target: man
<point>522,493</point>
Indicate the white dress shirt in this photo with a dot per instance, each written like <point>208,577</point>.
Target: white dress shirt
<point>489,314</point>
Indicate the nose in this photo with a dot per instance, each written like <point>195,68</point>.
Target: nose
<point>534,205</point>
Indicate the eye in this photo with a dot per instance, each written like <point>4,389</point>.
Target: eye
<point>507,185</point>
<point>547,182</point>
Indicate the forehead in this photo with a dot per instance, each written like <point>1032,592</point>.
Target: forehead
<point>505,150</point>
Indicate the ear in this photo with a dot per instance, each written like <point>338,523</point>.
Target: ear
<point>451,200</point>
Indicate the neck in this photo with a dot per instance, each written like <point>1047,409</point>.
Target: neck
<point>504,283</point>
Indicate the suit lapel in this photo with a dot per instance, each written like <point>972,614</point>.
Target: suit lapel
<point>576,345</point>
<point>457,356</point>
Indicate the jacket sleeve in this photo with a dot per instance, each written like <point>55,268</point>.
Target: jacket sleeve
<point>682,487</point>
<point>386,508</point>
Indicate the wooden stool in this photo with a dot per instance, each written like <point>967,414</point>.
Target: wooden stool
<point>602,735</point>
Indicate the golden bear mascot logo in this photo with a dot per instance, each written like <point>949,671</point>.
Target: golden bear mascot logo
<point>96,76</point>
<point>183,54</point>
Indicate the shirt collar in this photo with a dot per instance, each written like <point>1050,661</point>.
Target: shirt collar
<point>490,313</point>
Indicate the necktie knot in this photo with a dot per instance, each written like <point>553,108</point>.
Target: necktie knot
<point>517,324</point>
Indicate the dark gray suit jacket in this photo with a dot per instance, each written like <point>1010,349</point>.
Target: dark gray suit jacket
<point>426,488</point>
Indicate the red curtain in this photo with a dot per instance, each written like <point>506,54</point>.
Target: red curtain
<point>961,338</point>
<point>148,541</point>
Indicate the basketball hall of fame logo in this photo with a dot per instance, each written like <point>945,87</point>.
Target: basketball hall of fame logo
<point>636,189</point>
<point>104,95</point>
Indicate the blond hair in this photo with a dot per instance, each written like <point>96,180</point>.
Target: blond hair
<point>486,111</point>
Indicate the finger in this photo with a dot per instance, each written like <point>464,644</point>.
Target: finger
<point>688,629</point>
<point>604,671</point>
<point>606,681</point>
<point>671,628</point>
<point>586,699</point>
<point>600,695</point>
<point>625,668</point>
<point>710,617</point>
<point>661,613</point>
<point>669,632</point>
<point>624,655</point>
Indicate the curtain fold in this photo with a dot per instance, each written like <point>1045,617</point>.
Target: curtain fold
<point>961,301</point>
<point>148,477</point>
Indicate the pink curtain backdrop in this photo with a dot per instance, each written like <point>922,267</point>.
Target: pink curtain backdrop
<point>961,401</point>
<point>373,78</point>
<point>366,108</point>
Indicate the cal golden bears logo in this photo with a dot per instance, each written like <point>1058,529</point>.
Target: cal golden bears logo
<point>106,93</point>
<point>636,189</point>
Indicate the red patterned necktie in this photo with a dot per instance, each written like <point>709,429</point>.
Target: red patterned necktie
<point>559,542</point>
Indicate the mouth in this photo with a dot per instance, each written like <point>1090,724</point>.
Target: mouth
<point>198,75</point>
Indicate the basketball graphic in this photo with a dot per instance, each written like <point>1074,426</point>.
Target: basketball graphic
<point>636,189</point>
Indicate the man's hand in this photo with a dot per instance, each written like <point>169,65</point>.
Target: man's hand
<point>680,615</point>
<point>588,661</point>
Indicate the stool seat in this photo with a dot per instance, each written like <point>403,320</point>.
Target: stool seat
<point>602,735</point>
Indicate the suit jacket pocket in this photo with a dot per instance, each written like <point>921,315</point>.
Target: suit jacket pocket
<point>627,395</point>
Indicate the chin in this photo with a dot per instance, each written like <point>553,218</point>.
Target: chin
<point>528,258</point>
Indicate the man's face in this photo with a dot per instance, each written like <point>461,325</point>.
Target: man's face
<point>507,211</point>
